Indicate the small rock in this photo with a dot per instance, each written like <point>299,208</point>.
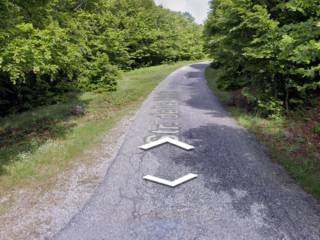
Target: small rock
<point>77,110</point>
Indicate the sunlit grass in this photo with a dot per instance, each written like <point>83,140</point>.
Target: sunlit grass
<point>36,145</point>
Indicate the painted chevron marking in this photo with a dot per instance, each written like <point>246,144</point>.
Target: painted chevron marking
<point>174,183</point>
<point>166,140</point>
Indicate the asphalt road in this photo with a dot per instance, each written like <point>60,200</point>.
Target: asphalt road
<point>239,192</point>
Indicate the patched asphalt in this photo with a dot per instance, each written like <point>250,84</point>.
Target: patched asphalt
<point>239,192</point>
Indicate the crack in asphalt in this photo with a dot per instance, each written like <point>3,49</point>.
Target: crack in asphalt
<point>239,193</point>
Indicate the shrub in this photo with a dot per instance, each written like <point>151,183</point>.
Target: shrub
<point>50,47</point>
<point>269,46</point>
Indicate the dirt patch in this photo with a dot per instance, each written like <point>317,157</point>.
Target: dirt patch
<point>38,213</point>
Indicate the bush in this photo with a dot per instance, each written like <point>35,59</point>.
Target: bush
<point>317,128</point>
<point>50,47</point>
<point>270,107</point>
<point>269,46</point>
<point>99,74</point>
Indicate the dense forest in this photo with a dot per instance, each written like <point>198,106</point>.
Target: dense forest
<point>269,50</point>
<point>48,47</point>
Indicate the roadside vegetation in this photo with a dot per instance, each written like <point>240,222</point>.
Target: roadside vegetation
<point>292,141</point>
<point>68,74</point>
<point>268,50</point>
<point>37,145</point>
<point>265,69</point>
<point>52,47</point>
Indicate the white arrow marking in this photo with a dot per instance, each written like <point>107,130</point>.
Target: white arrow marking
<point>166,140</point>
<point>174,183</point>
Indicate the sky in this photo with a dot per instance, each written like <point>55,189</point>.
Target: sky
<point>198,8</point>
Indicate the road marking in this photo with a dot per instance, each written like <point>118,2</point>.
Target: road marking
<point>174,183</point>
<point>166,140</point>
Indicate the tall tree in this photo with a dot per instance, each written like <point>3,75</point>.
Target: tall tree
<point>268,48</point>
<point>49,47</point>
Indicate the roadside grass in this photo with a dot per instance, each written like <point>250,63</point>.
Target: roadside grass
<point>36,145</point>
<point>292,141</point>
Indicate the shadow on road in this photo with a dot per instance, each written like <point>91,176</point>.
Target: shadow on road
<point>231,161</point>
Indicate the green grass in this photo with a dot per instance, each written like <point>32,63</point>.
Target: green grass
<point>291,141</point>
<point>37,145</point>
<point>212,75</point>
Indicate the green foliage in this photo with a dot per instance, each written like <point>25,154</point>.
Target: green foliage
<point>99,75</point>
<point>49,47</point>
<point>290,140</point>
<point>46,139</point>
<point>317,128</point>
<point>271,47</point>
<point>270,107</point>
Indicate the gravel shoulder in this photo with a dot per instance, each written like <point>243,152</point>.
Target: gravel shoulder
<point>39,213</point>
<point>238,194</point>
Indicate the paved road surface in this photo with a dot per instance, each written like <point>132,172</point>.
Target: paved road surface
<point>239,193</point>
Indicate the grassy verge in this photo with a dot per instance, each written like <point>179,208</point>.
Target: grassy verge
<point>292,141</point>
<point>38,144</point>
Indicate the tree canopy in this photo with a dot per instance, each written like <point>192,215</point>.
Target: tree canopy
<point>268,48</point>
<point>51,46</point>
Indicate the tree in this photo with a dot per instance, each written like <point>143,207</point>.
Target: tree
<point>270,49</point>
<point>49,47</point>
